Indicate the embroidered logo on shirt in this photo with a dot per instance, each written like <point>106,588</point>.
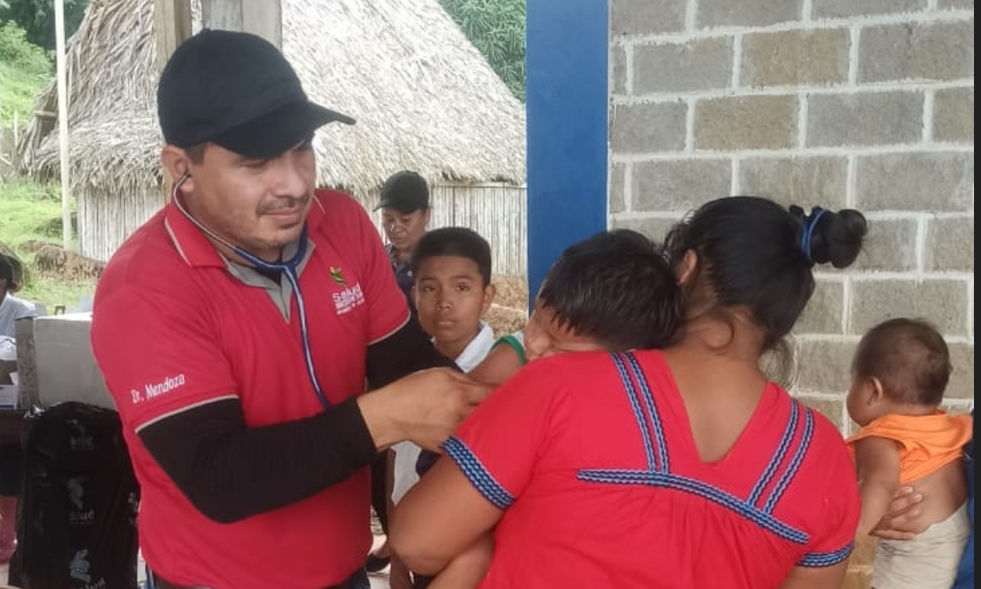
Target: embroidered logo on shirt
<point>337,276</point>
<point>349,298</point>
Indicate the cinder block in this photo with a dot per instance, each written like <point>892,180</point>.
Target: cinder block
<point>961,384</point>
<point>655,228</point>
<point>953,115</point>
<point>617,201</point>
<point>703,64</point>
<point>648,127</point>
<point>828,9</point>
<point>803,181</point>
<point>927,181</point>
<point>825,366</point>
<point>950,244</point>
<point>941,301</point>
<point>746,122</point>
<point>679,185</point>
<point>782,58</point>
<point>618,63</point>
<point>917,51</point>
<point>645,17</point>
<point>832,408</point>
<point>825,312</point>
<point>889,246</point>
<point>867,118</point>
<point>746,13</point>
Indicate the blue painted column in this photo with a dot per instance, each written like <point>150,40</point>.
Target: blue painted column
<point>567,102</point>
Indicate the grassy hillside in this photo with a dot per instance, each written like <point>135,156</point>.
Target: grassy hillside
<point>30,216</point>
<point>24,70</point>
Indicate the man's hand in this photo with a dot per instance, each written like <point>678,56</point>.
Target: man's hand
<point>902,520</point>
<point>425,407</point>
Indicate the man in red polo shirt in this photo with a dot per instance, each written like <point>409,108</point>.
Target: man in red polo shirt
<point>236,330</point>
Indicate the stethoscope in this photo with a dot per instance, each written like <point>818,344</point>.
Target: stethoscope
<point>287,267</point>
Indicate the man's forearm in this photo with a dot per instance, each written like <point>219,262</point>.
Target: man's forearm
<point>406,351</point>
<point>230,471</point>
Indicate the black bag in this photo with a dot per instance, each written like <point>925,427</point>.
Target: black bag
<point>76,521</point>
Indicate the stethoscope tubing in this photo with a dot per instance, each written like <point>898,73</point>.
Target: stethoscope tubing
<point>289,268</point>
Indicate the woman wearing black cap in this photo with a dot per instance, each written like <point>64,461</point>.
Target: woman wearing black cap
<point>405,212</point>
<point>405,215</point>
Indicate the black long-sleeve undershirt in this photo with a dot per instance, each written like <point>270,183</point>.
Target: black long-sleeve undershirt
<point>230,471</point>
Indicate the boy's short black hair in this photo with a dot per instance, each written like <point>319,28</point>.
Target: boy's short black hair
<point>617,288</point>
<point>454,241</point>
<point>909,357</point>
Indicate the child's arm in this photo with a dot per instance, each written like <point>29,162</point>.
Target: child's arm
<point>468,569</point>
<point>877,460</point>
<point>501,363</point>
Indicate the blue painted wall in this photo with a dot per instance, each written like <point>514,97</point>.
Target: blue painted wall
<point>567,102</point>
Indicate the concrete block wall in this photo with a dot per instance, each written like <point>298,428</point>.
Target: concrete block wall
<point>840,103</point>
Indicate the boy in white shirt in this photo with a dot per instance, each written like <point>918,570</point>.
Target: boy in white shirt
<point>451,269</point>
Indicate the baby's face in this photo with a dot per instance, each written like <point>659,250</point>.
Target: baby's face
<point>545,335</point>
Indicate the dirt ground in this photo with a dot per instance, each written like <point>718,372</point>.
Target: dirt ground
<point>509,312</point>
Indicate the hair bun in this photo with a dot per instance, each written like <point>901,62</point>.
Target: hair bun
<point>830,237</point>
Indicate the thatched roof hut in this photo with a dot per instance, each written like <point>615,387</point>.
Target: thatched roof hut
<point>423,96</point>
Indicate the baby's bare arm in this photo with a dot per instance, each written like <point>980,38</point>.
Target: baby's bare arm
<point>467,570</point>
<point>499,365</point>
<point>877,460</point>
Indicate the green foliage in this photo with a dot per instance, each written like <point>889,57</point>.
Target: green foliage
<point>32,217</point>
<point>497,29</point>
<point>24,70</point>
<point>36,17</point>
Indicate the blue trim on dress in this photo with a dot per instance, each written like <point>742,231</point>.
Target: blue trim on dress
<point>776,460</point>
<point>658,472</point>
<point>645,434</point>
<point>478,474</point>
<point>826,559</point>
<point>791,471</point>
<point>695,487</point>
<point>662,445</point>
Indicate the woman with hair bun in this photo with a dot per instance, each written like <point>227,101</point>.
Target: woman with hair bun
<point>681,467</point>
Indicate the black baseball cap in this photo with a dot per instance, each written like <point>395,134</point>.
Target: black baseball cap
<point>404,191</point>
<point>238,91</point>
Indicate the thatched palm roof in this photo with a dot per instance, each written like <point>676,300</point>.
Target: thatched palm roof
<point>423,96</point>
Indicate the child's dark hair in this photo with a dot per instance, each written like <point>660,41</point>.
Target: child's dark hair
<point>454,241</point>
<point>753,253</point>
<point>617,288</point>
<point>7,273</point>
<point>909,357</point>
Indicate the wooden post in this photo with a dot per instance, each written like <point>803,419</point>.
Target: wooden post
<point>172,26</point>
<point>260,17</point>
<point>66,212</point>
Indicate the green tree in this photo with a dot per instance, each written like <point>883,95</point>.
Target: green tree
<point>497,29</point>
<point>36,17</point>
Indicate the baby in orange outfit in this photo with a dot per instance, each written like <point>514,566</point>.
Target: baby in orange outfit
<point>899,374</point>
